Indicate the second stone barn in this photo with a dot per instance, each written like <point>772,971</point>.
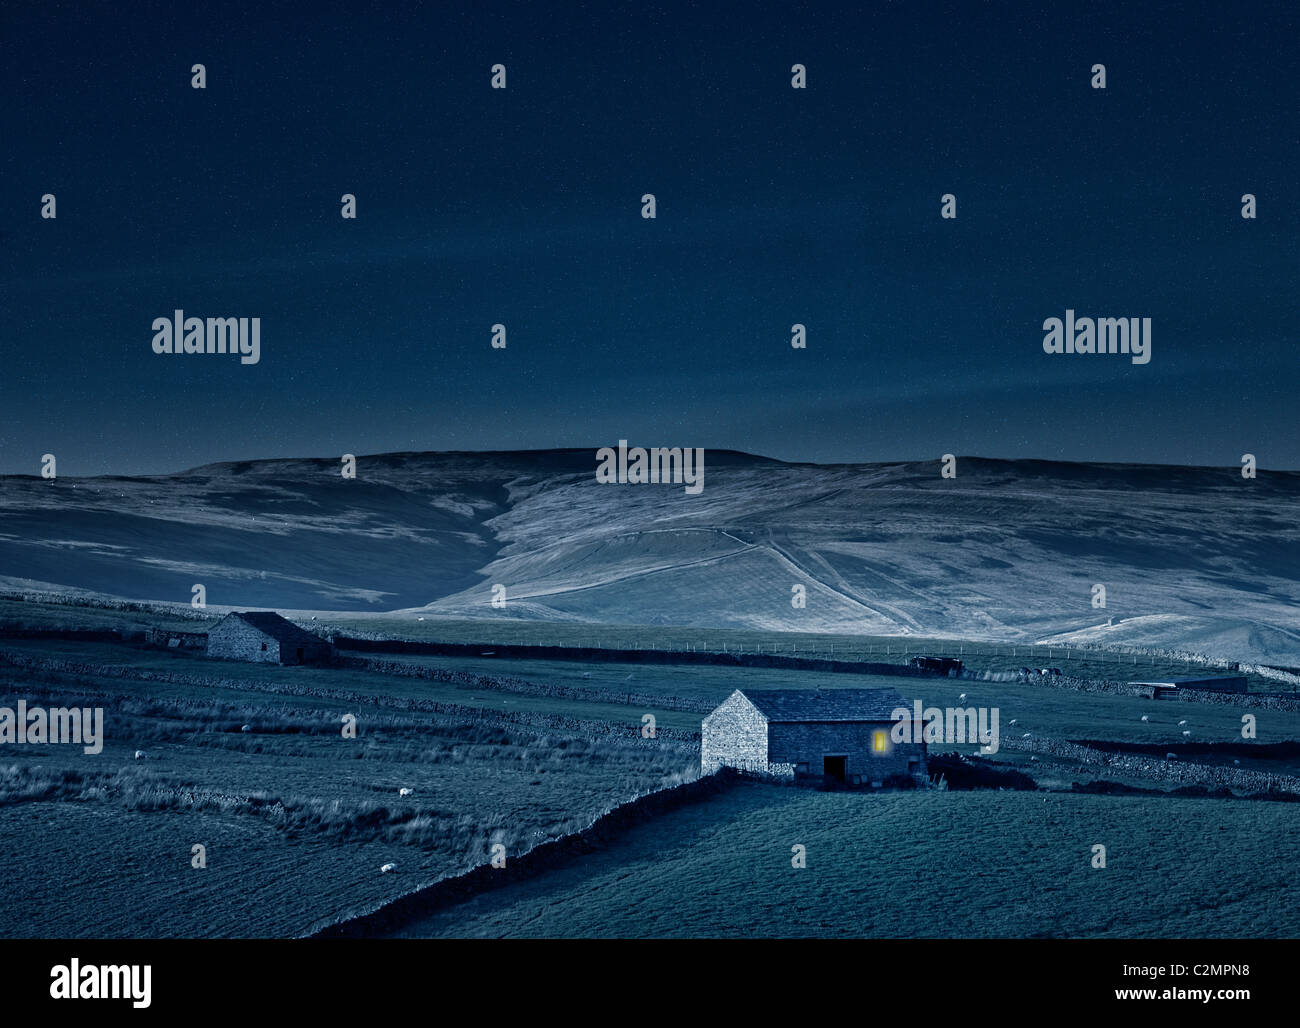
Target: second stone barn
<point>265,636</point>
<point>838,735</point>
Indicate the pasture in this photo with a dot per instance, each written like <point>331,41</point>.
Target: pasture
<point>249,761</point>
<point>297,818</point>
<point>915,865</point>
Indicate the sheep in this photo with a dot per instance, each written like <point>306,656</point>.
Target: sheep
<point>1027,735</point>
<point>1182,722</point>
<point>1013,720</point>
<point>961,698</point>
<point>1145,718</point>
<point>139,755</point>
<point>1171,756</point>
<point>246,728</point>
<point>1187,733</point>
<point>404,791</point>
<point>387,867</point>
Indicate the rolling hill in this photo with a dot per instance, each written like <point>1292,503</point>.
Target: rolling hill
<point>1197,558</point>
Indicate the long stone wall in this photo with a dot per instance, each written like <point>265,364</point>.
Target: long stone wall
<point>1176,772</point>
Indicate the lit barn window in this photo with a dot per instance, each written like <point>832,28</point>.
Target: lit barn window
<point>879,741</point>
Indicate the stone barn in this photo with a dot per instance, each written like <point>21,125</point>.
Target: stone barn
<point>265,636</point>
<point>844,735</point>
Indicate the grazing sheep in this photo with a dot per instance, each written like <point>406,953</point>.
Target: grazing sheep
<point>404,791</point>
<point>139,755</point>
<point>1182,722</point>
<point>1033,758</point>
<point>388,867</point>
<point>246,728</point>
<point>1013,720</point>
<point>1145,718</point>
<point>1187,733</point>
<point>1027,735</point>
<point>1236,761</point>
<point>961,698</point>
<point>1171,756</point>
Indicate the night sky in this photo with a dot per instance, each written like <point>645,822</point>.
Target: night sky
<point>523,206</point>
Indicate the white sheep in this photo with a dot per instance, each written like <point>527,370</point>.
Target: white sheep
<point>246,728</point>
<point>1027,735</point>
<point>1182,722</point>
<point>404,791</point>
<point>1013,720</point>
<point>1145,718</point>
<point>1187,733</point>
<point>961,698</point>
<point>387,867</point>
<point>139,755</point>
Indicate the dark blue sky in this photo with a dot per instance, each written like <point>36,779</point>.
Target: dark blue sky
<point>775,206</point>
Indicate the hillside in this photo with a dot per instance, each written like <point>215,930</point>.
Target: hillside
<point>1191,557</point>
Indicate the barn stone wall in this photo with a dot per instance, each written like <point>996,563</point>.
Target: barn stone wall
<point>805,744</point>
<point>312,652</point>
<point>235,639</point>
<point>734,735</point>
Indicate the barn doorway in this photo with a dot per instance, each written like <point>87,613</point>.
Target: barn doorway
<point>833,768</point>
<point>299,654</point>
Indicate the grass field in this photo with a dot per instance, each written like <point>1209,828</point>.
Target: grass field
<point>1038,709</point>
<point>930,864</point>
<point>297,819</point>
<point>1095,662</point>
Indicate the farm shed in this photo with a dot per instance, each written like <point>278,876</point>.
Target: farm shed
<point>1222,683</point>
<point>840,734</point>
<point>265,636</point>
<point>949,666</point>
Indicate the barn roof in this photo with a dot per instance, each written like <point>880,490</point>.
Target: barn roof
<point>276,627</point>
<point>791,705</point>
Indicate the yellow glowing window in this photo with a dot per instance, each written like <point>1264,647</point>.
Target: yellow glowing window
<point>879,740</point>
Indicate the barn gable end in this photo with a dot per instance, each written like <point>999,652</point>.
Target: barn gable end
<point>734,735</point>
